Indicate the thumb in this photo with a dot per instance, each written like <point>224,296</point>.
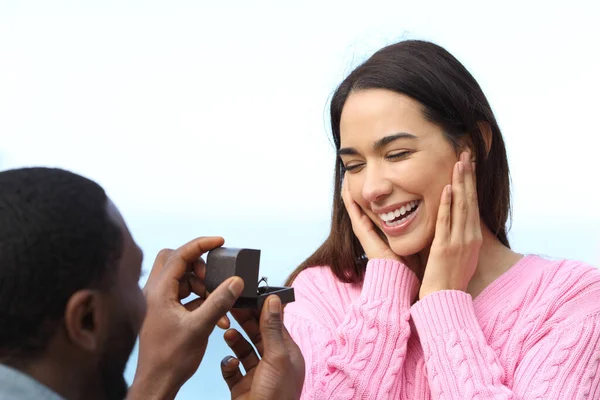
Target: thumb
<point>218,304</point>
<point>271,326</point>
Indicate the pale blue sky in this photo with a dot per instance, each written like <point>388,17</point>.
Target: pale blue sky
<point>200,118</point>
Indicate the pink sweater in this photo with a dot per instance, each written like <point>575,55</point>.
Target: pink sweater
<point>534,333</point>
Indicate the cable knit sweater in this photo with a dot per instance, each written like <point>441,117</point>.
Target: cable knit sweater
<point>534,333</point>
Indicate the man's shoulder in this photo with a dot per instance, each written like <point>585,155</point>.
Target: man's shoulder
<point>15,384</point>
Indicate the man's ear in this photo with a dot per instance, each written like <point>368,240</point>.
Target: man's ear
<point>486,134</point>
<point>85,321</point>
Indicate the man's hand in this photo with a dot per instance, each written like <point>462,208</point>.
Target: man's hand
<point>279,374</point>
<point>174,336</point>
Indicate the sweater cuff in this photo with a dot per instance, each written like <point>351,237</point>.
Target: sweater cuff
<point>444,311</point>
<point>389,279</point>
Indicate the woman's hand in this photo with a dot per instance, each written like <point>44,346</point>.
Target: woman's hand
<point>364,229</point>
<point>455,249</point>
<point>366,232</point>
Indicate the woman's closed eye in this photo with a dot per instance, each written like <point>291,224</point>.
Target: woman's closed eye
<point>397,155</point>
<point>354,166</point>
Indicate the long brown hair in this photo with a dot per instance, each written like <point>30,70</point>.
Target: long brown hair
<point>452,99</point>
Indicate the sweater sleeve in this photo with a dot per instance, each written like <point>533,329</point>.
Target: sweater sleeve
<point>563,363</point>
<point>359,353</point>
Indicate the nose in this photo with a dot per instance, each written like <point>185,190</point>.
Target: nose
<point>376,186</point>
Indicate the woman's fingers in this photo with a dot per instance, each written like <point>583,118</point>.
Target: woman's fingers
<point>473,222</point>
<point>460,206</point>
<point>365,230</point>
<point>353,209</point>
<point>444,218</point>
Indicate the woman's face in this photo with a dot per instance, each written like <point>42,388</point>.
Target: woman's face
<point>397,164</point>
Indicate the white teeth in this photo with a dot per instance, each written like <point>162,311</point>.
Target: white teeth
<point>395,223</point>
<point>389,216</point>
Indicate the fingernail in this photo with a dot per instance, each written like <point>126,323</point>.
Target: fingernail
<point>449,190</point>
<point>225,361</point>
<point>274,305</point>
<point>236,286</point>
<point>461,167</point>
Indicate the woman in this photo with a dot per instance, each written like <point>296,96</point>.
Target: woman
<point>416,293</point>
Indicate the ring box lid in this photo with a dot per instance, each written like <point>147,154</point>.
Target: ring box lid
<point>223,263</point>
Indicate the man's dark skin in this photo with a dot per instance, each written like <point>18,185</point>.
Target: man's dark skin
<point>100,329</point>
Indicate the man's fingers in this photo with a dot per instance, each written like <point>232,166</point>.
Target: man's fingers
<point>230,369</point>
<point>187,255</point>
<point>192,305</point>
<point>181,261</point>
<point>224,322</point>
<point>242,349</point>
<point>191,284</point>
<point>271,326</point>
<point>218,304</point>
<point>248,320</point>
<point>184,289</point>
<point>159,263</point>
<point>191,251</point>
<point>196,285</point>
<point>291,346</point>
<point>199,268</point>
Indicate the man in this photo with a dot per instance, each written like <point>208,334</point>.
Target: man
<point>71,306</point>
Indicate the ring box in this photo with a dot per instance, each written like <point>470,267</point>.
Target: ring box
<point>223,263</point>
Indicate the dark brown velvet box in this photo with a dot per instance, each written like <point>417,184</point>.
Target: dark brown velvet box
<point>223,263</point>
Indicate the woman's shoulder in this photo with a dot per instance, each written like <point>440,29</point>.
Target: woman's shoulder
<point>571,286</point>
<point>561,270</point>
<point>319,293</point>
<point>319,277</point>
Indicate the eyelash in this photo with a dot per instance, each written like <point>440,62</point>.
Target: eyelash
<point>400,154</point>
<point>395,156</point>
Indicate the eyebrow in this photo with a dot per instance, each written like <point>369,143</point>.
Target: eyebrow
<point>384,141</point>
